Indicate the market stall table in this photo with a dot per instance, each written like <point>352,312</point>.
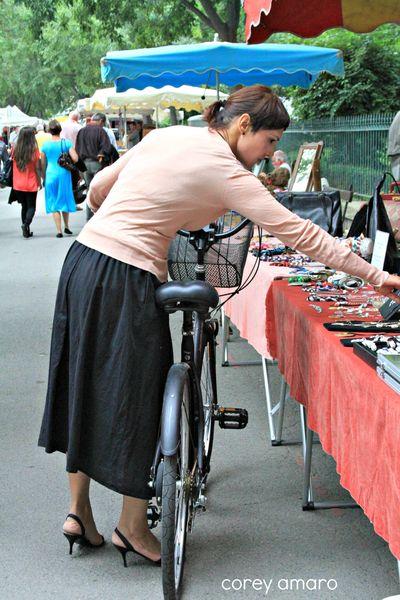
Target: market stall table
<point>355,413</point>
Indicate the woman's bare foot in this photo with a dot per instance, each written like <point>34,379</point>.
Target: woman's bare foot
<point>86,516</point>
<point>142,540</point>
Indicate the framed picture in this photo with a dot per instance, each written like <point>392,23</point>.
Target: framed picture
<point>307,160</point>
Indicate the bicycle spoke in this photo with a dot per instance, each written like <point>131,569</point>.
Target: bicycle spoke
<point>208,401</point>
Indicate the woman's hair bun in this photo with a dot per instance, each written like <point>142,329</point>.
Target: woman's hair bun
<point>265,109</point>
<point>211,113</point>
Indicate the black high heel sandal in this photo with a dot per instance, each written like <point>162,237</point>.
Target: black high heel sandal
<point>79,538</point>
<point>129,548</point>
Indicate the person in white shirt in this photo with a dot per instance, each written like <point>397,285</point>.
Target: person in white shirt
<point>280,159</point>
<point>110,134</point>
<point>14,137</point>
<point>69,129</point>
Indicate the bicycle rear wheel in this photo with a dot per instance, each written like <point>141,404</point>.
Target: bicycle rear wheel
<point>176,496</point>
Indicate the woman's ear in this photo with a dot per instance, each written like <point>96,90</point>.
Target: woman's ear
<point>244,123</point>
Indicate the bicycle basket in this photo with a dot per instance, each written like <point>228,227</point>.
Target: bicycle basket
<point>224,261</point>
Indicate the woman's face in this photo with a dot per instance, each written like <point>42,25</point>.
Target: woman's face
<point>252,147</point>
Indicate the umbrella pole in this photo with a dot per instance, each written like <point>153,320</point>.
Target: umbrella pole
<point>125,128</point>
<point>217,83</point>
<point>157,116</point>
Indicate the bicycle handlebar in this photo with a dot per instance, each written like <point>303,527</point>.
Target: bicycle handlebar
<point>217,236</point>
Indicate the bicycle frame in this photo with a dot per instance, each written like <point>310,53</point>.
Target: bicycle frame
<point>198,330</point>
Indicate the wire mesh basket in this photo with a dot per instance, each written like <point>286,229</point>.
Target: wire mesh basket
<point>224,261</point>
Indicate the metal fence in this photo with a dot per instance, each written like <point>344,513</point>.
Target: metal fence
<point>354,148</point>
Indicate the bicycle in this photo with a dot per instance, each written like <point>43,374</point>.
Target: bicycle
<point>190,405</point>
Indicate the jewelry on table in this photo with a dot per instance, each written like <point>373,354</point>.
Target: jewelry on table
<point>318,309</point>
<point>381,326</point>
<point>321,298</point>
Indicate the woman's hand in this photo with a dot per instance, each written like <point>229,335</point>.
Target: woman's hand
<point>391,284</point>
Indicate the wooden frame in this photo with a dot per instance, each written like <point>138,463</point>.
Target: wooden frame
<point>305,175</point>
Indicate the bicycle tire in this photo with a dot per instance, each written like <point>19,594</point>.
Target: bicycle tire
<point>175,503</point>
<point>209,397</point>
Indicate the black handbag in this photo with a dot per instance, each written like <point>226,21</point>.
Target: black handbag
<point>372,217</point>
<point>322,208</point>
<point>6,177</point>
<point>80,192</point>
<point>64,160</point>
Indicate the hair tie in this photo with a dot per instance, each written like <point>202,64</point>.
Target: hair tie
<point>221,104</point>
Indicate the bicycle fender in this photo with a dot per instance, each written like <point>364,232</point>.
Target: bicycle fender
<point>170,418</point>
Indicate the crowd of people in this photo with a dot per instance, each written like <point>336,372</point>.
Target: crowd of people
<point>35,155</point>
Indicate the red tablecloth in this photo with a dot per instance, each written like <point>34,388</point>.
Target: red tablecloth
<point>356,415</point>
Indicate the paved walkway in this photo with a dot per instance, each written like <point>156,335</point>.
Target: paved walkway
<point>253,540</point>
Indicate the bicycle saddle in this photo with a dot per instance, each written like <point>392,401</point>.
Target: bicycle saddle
<point>186,295</point>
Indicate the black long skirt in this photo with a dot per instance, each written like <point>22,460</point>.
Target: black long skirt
<point>110,354</point>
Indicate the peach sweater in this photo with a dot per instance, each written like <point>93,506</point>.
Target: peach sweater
<point>184,178</point>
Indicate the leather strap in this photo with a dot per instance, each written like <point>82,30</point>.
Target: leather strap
<point>77,519</point>
<point>123,539</point>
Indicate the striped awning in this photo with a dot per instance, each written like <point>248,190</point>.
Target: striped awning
<point>312,17</point>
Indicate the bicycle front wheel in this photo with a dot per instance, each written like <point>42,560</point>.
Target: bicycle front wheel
<point>176,493</point>
<point>207,384</point>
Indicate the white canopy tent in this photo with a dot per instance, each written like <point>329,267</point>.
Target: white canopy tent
<point>186,97</point>
<point>12,116</point>
<point>148,100</point>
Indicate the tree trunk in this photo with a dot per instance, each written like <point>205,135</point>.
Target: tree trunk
<point>234,8</point>
<point>227,31</point>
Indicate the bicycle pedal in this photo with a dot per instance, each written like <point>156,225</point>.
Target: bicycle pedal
<point>232,418</point>
<point>153,516</point>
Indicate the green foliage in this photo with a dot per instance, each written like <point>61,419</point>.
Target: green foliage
<point>71,50</point>
<point>51,49</point>
<point>139,24</point>
<point>43,12</point>
<point>19,57</point>
<point>371,82</point>
<point>50,73</point>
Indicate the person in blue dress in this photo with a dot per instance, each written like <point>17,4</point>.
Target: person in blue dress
<point>58,192</point>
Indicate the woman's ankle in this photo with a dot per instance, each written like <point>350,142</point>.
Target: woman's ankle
<point>82,509</point>
<point>133,530</point>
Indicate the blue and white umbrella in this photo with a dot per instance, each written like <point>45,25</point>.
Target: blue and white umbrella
<point>213,63</point>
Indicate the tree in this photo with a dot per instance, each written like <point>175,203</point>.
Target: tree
<point>222,17</point>
<point>70,53</point>
<point>371,81</point>
<point>51,50</point>
<point>20,61</point>
<point>47,74</point>
<point>166,21</point>
<point>42,11</point>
